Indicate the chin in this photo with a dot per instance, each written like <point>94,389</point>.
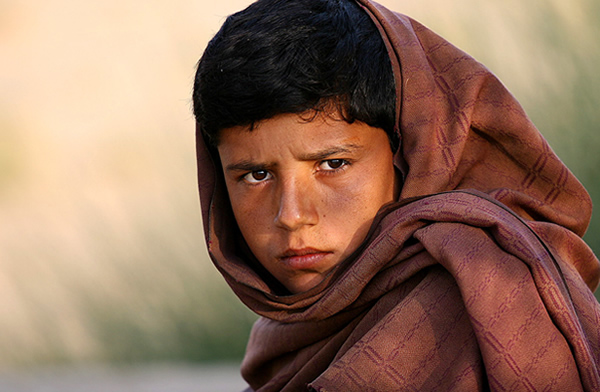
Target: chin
<point>296,286</point>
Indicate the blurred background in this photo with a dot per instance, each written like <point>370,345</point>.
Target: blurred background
<point>102,260</point>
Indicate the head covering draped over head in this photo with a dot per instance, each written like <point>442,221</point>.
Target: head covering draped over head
<point>477,278</point>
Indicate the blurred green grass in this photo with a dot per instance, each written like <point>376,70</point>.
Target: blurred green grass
<point>101,248</point>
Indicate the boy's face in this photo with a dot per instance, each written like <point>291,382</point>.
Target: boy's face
<point>304,193</point>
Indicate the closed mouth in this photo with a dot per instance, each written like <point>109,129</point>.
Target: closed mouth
<point>303,258</point>
<point>300,252</point>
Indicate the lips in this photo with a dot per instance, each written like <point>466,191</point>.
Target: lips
<point>305,258</point>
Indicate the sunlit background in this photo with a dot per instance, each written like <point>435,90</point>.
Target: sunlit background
<point>101,248</point>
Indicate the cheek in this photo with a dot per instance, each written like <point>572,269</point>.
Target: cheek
<point>366,193</point>
<point>244,210</point>
<point>254,216</point>
<point>350,210</point>
<point>353,207</point>
<point>250,214</point>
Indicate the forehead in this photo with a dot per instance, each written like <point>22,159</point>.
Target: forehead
<point>298,134</point>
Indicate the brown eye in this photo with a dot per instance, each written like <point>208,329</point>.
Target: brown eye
<point>333,164</point>
<point>257,176</point>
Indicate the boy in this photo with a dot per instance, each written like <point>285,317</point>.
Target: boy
<point>385,204</point>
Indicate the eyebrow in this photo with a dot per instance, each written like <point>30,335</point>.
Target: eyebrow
<point>249,165</point>
<point>324,154</point>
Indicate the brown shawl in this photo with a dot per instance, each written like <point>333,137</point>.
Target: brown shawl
<point>476,279</point>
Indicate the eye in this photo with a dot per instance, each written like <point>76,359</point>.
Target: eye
<point>333,164</point>
<point>257,176</point>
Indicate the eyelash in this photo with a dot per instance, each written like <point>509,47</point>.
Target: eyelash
<point>246,177</point>
<point>344,163</point>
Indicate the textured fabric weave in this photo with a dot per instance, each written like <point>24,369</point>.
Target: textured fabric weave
<point>477,279</point>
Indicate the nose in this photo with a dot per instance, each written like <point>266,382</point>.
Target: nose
<point>296,205</point>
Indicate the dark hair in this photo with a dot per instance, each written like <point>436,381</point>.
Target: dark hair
<point>291,56</point>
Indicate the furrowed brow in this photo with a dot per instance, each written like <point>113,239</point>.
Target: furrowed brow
<point>247,165</point>
<point>328,152</point>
